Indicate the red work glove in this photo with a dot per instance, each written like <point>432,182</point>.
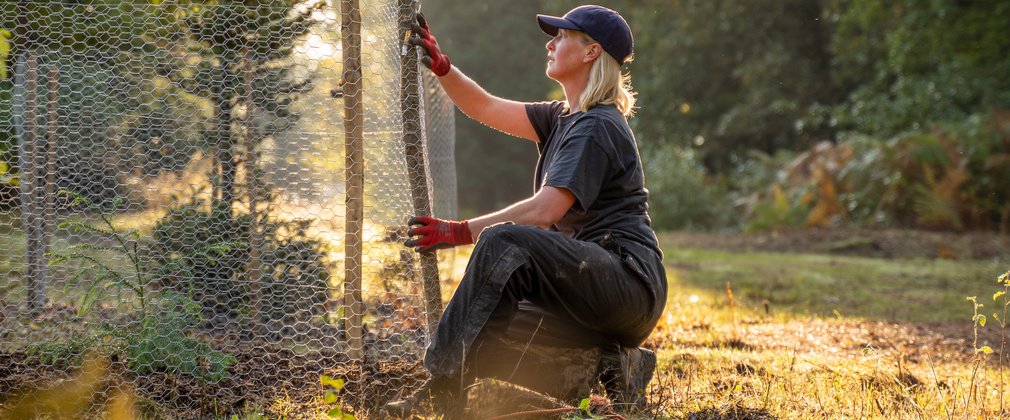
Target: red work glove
<point>436,234</point>
<point>433,57</point>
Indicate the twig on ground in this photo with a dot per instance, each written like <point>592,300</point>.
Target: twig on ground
<point>829,370</point>
<point>535,412</point>
<point>516,368</point>
<point>1002,336</point>
<point>972,384</point>
<point>936,381</point>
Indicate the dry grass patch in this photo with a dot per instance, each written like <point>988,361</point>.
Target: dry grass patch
<point>724,355</point>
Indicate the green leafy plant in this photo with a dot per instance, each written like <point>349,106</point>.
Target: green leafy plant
<point>682,194</point>
<point>947,177</point>
<point>767,200</point>
<point>5,51</point>
<point>66,353</point>
<point>161,342</point>
<point>978,321</point>
<point>591,407</point>
<point>203,248</point>
<point>96,276</point>
<point>584,407</point>
<point>332,388</point>
<point>5,176</point>
<point>158,338</point>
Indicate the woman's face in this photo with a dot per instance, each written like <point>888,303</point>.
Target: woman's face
<point>566,54</point>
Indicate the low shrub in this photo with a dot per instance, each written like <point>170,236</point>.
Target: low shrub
<point>151,329</point>
<point>681,194</point>
<point>188,243</point>
<point>949,177</point>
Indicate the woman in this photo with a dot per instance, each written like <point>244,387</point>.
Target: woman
<point>581,249</point>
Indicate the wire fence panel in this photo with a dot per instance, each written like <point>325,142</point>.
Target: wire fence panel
<point>440,126</point>
<point>174,204</point>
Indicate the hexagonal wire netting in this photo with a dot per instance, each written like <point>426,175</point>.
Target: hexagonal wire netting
<point>201,205</point>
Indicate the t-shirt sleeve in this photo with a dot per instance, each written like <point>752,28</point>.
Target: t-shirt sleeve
<point>581,166</point>
<point>544,116</point>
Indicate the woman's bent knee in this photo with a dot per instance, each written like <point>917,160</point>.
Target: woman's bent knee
<point>502,232</point>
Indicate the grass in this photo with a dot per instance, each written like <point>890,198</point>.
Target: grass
<point>843,337</point>
<point>804,285</point>
<point>821,336</point>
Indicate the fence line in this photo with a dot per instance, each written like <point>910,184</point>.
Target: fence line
<point>183,204</point>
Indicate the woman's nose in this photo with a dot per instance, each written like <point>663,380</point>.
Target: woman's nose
<point>550,45</point>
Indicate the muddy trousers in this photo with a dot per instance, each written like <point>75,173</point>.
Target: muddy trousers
<point>595,289</point>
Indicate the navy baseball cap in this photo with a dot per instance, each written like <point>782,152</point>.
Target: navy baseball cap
<point>606,26</point>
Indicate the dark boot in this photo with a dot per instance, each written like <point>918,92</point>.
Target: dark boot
<point>432,397</point>
<point>626,373</point>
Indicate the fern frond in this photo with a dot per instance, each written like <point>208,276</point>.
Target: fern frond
<point>90,247</point>
<point>72,281</point>
<point>78,226</point>
<point>89,299</point>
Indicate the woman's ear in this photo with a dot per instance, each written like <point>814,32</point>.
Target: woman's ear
<point>593,52</point>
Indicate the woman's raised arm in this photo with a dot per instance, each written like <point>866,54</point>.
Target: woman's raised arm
<point>501,114</point>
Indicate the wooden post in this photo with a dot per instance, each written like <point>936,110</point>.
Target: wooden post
<point>413,142</point>
<point>354,172</point>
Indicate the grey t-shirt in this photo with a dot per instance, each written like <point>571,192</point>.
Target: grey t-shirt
<point>593,154</point>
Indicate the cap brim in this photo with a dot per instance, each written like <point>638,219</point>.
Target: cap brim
<point>551,24</point>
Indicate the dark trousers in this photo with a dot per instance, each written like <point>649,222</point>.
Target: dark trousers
<point>611,292</point>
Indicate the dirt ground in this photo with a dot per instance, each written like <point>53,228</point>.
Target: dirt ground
<point>882,243</point>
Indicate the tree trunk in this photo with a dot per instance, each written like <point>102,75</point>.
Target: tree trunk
<point>31,161</point>
<point>255,237</point>
<point>222,130</point>
<point>49,173</point>
<point>32,175</point>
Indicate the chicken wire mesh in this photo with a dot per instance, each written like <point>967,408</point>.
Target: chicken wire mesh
<point>203,194</point>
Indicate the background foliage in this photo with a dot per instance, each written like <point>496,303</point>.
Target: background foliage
<point>725,86</point>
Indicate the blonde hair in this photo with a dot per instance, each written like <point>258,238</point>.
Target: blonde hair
<point>607,85</point>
